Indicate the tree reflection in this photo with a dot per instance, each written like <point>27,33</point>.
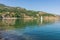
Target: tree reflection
<point>12,24</point>
<point>21,23</point>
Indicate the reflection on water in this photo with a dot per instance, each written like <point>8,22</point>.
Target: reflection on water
<point>26,29</point>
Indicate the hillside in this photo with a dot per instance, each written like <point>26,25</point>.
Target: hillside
<point>19,12</point>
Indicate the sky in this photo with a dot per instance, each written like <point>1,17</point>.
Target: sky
<point>50,6</point>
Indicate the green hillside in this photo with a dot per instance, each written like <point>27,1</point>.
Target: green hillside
<point>20,12</point>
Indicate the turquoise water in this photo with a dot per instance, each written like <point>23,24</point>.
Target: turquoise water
<point>20,29</point>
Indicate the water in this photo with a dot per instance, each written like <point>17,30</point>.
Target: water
<point>26,29</point>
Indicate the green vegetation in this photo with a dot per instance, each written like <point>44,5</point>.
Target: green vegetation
<point>19,12</point>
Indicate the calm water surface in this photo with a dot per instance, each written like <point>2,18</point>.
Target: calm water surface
<point>23,29</point>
